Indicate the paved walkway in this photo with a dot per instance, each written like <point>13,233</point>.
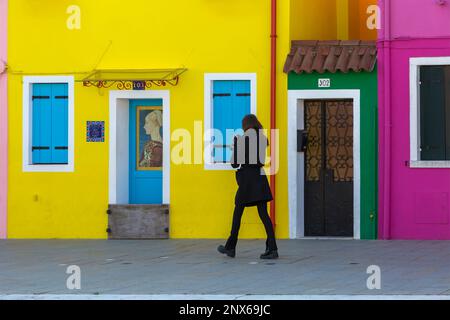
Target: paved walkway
<point>309,268</point>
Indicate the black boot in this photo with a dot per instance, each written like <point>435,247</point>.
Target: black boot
<point>229,252</point>
<point>270,255</point>
<point>266,252</point>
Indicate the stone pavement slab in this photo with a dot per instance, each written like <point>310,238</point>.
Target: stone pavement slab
<point>307,268</point>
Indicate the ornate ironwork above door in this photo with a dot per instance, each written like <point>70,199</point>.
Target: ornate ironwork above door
<point>313,124</point>
<point>136,79</point>
<point>339,139</point>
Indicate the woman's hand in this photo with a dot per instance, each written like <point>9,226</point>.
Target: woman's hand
<point>234,156</point>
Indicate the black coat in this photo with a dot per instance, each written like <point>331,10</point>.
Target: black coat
<point>248,157</point>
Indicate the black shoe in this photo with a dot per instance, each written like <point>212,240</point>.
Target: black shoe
<point>270,255</point>
<point>229,252</point>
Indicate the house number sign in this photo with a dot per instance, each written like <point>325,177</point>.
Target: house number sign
<point>324,83</point>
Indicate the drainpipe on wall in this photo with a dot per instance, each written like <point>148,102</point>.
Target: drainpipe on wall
<point>273,102</point>
<point>3,119</point>
<point>387,121</point>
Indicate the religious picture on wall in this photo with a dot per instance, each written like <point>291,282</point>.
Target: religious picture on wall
<point>95,131</point>
<point>149,138</point>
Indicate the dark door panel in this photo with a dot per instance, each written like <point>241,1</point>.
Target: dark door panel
<point>314,202</point>
<point>338,207</point>
<point>314,210</point>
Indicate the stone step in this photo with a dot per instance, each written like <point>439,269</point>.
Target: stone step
<point>132,221</point>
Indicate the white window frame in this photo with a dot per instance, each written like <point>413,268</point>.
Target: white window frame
<point>414,77</point>
<point>27,130</point>
<point>208,120</point>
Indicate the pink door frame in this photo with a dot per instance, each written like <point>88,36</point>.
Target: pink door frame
<point>3,118</point>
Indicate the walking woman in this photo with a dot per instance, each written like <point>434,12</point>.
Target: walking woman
<point>253,188</point>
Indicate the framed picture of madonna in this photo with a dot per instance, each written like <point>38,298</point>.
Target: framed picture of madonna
<point>149,137</point>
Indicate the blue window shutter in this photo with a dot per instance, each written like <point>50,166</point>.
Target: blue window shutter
<point>241,105</point>
<point>36,116</point>
<point>41,123</point>
<point>231,102</point>
<point>59,126</point>
<point>222,115</point>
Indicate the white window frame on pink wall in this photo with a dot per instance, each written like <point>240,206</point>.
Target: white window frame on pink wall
<point>414,109</point>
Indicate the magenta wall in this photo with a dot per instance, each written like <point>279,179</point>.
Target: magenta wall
<point>419,18</point>
<point>3,119</point>
<point>413,203</point>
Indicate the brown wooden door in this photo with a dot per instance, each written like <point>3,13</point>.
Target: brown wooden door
<point>329,168</point>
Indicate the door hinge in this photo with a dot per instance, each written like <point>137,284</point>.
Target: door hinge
<point>40,97</point>
<point>221,95</point>
<point>40,148</point>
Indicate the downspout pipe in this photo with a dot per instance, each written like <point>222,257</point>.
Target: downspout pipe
<point>3,118</point>
<point>273,102</point>
<point>387,120</point>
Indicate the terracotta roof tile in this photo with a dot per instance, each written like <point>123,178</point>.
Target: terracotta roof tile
<point>331,56</point>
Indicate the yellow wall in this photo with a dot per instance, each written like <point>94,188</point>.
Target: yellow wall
<point>283,48</point>
<point>202,35</point>
<point>313,20</point>
<point>330,20</point>
<point>365,33</point>
<point>358,29</point>
<point>343,18</point>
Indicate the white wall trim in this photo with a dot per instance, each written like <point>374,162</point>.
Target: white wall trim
<point>295,100</point>
<point>28,81</point>
<point>414,110</point>
<point>208,115</point>
<point>119,141</point>
<point>430,164</point>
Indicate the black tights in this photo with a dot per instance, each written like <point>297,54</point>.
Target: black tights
<point>263,215</point>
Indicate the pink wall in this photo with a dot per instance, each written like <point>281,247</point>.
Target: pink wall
<point>414,203</point>
<point>420,18</point>
<point>3,119</point>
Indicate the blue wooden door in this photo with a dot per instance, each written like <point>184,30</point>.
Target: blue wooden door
<point>146,150</point>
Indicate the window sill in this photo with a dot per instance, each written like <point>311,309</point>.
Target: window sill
<point>48,168</point>
<point>219,167</point>
<point>429,164</point>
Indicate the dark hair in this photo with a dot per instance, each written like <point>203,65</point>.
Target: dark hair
<point>250,121</point>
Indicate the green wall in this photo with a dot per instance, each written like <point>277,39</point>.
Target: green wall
<point>367,84</point>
